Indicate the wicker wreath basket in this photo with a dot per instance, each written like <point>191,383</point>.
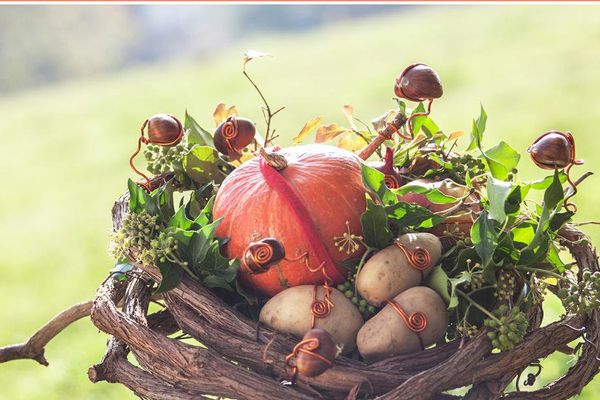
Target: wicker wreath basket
<point>234,356</point>
<point>242,360</point>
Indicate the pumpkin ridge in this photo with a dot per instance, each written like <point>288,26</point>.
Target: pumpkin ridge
<point>276,181</point>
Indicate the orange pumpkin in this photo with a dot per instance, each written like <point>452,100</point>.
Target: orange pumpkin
<point>307,207</point>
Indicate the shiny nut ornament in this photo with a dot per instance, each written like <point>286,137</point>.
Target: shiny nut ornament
<point>553,150</point>
<point>232,135</point>
<point>260,255</point>
<point>163,130</point>
<point>313,355</point>
<point>418,82</point>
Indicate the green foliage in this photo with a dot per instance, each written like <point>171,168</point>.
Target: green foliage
<point>507,327</point>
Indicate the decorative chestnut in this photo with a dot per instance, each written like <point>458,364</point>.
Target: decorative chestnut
<point>260,255</point>
<point>553,150</point>
<point>232,135</point>
<point>418,82</point>
<point>315,353</point>
<point>163,129</point>
<point>393,180</point>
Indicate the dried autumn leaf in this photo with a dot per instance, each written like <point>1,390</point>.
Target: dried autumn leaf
<point>381,122</point>
<point>245,157</point>
<point>252,54</point>
<point>351,142</point>
<point>328,132</point>
<point>221,113</point>
<point>348,111</point>
<point>455,135</point>
<point>308,128</point>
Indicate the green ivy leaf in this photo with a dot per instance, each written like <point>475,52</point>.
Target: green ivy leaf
<point>429,190</point>
<point>501,159</point>
<point>180,220</point>
<point>554,194</point>
<point>485,238</point>
<point>438,281</point>
<point>559,219</point>
<point>514,200</point>
<point>201,164</point>
<point>477,130</point>
<point>544,183</point>
<point>374,181</point>
<point>423,122</point>
<point>498,192</point>
<point>412,215</point>
<point>138,197</point>
<point>171,276</point>
<point>197,249</point>
<point>523,233</point>
<point>374,226</point>
<point>197,134</point>
<point>464,277</point>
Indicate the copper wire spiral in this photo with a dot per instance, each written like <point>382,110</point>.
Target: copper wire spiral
<point>419,258</point>
<point>416,321</point>
<point>229,132</point>
<point>306,346</point>
<point>260,254</point>
<point>413,116</point>
<point>391,182</point>
<point>320,308</point>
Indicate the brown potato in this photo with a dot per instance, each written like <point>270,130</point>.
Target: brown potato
<point>290,312</point>
<point>388,272</point>
<point>386,334</point>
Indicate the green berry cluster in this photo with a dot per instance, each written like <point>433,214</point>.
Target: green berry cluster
<point>141,233</point>
<point>467,330</point>
<point>477,281</point>
<point>537,288</point>
<point>584,296</point>
<point>507,328</point>
<point>505,286</point>
<point>365,308</point>
<point>136,233</point>
<point>163,159</point>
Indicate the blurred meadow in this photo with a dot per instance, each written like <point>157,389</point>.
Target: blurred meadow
<point>65,145</point>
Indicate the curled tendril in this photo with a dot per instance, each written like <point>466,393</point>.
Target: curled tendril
<point>413,116</point>
<point>320,308</point>
<point>391,182</point>
<point>419,258</point>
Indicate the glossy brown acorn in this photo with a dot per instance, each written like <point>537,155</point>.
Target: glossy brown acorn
<point>260,255</point>
<point>418,82</point>
<point>164,130</point>
<point>393,180</point>
<point>553,150</point>
<point>232,135</point>
<point>316,353</point>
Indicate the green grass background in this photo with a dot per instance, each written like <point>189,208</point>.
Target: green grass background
<point>65,147</point>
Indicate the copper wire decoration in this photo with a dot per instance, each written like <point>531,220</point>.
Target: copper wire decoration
<point>230,132</point>
<point>306,346</point>
<point>320,308</point>
<point>419,258</point>
<point>146,141</point>
<point>416,321</point>
<point>413,116</point>
<point>391,182</point>
<point>260,254</point>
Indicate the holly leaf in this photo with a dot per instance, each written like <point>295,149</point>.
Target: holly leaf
<point>201,164</point>
<point>222,112</point>
<point>309,126</point>
<point>326,133</point>
<point>374,226</point>
<point>498,192</point>
<point>196,134</point>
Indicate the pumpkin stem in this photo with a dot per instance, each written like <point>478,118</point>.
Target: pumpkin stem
<point>384,134</point>
<point>275,160</point>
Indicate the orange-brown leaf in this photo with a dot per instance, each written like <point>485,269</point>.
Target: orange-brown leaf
<point>351,142</point>
<point>348,111</point>
<point>221,113</point>
<point>328,132</point>
<point>380,122</point>
<point>455,135</point>
<point>308,128</point>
